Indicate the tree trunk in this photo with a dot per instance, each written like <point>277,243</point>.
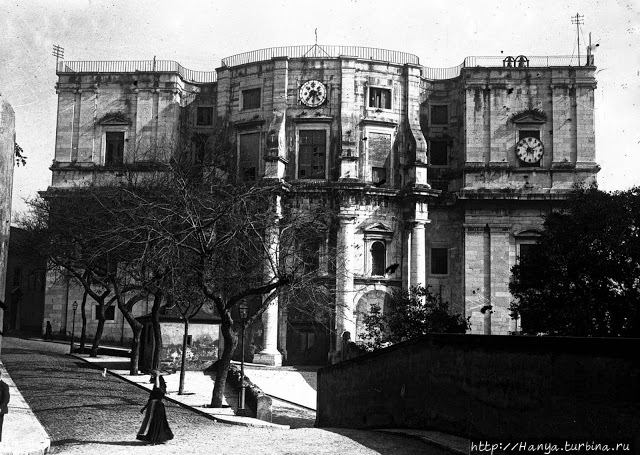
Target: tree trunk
<point>136,328</point>
<point>83,313</point>
<point>184,356</point>
<point>230,336</point>
<point>135,349</point>
<point>157,333</point>
<point>99,330</point>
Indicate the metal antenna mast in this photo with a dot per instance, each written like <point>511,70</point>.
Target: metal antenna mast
<point>578,20</point>
<point>58,53</point>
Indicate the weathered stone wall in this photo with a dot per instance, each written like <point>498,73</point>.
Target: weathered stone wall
<point>490,387</point>
<point>148,110</point>
<point>445,231</point>
<point>564,97</point>
<point>203,350</point>
<point>7,160</point>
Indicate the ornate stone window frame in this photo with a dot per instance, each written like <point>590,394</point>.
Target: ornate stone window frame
<point>367,171</point>
<point>114,123</point>
<point>376,232</point>
<point>311,126</point>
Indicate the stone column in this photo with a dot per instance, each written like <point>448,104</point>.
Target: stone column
<point>270,354</point>
<point>418,272</point>
<point>345,305</point>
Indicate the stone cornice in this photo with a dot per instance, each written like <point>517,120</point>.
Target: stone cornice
<point>381,122</point>
<point>316,119</point>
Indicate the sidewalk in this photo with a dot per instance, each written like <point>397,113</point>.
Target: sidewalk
<point>21,421</point>
<point>197,391</point>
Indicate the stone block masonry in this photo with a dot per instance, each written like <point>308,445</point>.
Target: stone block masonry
<point>500,388</point>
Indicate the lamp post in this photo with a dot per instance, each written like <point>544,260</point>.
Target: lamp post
<point>244,311</point>
<point>73,325</point>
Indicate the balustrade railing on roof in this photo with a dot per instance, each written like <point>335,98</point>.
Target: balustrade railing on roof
<point>536,61</point>
<point>318,51</point>
<point>315,51</point>
<point>132,66</point>
<point>519,61</point>
<point>441,73</point>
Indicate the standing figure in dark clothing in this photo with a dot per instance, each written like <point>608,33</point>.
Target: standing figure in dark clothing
<point>48,332</point>
<point>4,401</point>
<point>155,428</point>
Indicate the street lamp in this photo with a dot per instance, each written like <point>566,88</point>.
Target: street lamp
<point>244,311</point>
<point>73,325</point>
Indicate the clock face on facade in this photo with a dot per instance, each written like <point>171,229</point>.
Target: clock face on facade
<point>313,93</point>
<point>529,150</point>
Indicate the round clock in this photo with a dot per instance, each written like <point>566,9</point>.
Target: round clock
<point>313,93</point>
<point>529,150</point>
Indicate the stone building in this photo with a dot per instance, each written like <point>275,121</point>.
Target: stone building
<point>24,293</point>
<point>443,174</point>
<point>7,160</point>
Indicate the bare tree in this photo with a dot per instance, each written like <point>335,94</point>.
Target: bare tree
<point>239,239</point>
<point>76,231</point>
<point>256,240</point>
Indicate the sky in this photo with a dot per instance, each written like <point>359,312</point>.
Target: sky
<point>198,34</point>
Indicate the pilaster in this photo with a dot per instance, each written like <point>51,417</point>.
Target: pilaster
<point>348,120</point>
<point>418,271</point>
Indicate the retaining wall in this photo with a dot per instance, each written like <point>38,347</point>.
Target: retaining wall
<point>490,386</point>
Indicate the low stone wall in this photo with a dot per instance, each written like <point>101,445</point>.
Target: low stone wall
<point>490,387</point>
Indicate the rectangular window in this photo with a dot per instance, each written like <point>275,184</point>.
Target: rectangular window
<point>380,98</point>
<point>438,155</point>
<point>249,155</point>
<point>204,116</point>
<point>312,153</point>
<point>109,313</point>
<point>379,150</point>
<point>528,133</point>
<point>379,175</point>
<point>440,114</point>
<point>114,148</point>
<point>439,261</point>
<point>251,98</point>
<point>526,250</point>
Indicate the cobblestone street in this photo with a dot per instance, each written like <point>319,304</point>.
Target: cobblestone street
<point>86,413</point>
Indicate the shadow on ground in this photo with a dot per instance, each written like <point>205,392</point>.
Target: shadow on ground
<point>73,441</point>
<point>382,443</point>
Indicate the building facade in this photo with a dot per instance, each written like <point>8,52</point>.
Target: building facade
<point>7,160</point>
<point>443,175</point>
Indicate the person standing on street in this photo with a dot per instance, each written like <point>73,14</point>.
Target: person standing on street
<point>155,428</point>
<point>4,401</point>
<point>48,333</point>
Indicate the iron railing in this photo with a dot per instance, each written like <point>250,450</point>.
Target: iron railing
<point>441,73</point>
<point>132,66</point>
<point>519,61</point>
<point>314,51</point>
<point>318,51</point>
<point>537,61</point>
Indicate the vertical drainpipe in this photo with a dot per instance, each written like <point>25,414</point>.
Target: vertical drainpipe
<point>487,280</point>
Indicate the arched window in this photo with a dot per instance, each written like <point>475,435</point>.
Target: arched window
<point>378,258</point>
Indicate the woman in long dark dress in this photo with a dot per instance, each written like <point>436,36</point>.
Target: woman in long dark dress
<point>155,428</point>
